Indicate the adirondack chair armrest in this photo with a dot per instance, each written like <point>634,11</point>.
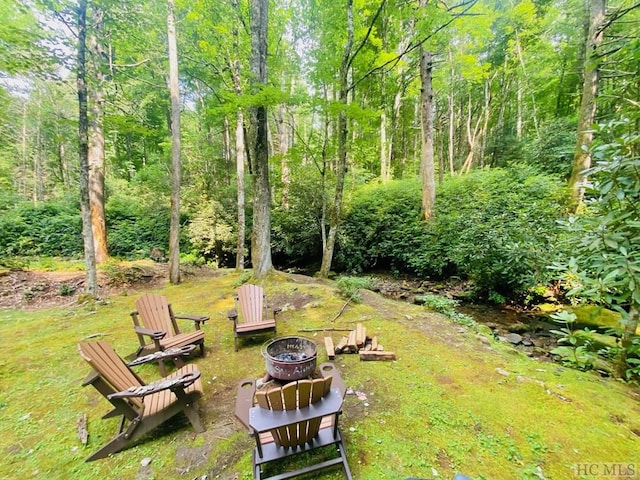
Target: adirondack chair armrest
<point>232,314</point>
<point>244,401</point>
<point>160,355</point>
<point>196,319</point>
<point>175,383</point>
<point>155,334</point>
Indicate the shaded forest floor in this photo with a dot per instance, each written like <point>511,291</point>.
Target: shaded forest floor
<point>454,401</point>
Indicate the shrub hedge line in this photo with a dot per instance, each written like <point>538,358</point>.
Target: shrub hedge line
<point>496,227</point>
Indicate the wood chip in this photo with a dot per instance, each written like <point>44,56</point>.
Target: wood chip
<point>83,433</point>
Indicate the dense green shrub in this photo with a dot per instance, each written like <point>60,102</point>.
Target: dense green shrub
<point>55,229</point>
<point>498,226</point>
<point>494,226</point>
<point>134,228</point>
<point>295,226</point>
<point>211,233</point>
<point>552,151</point>
<point>47,229</point>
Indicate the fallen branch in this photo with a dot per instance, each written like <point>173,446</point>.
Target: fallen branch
<point>341,310</point>
<point>326,329</point>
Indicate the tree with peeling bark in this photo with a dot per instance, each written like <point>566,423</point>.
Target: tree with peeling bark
<point>176,165</point>
<point>588,105</point>
<point>83,149</point>
<point>240,147</point>
<point>95,70</point>
<point>261,234</point>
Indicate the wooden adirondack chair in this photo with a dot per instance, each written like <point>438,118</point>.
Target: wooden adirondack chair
<point>143,406</point>
<point>296,418</point>
<point>250,317</point>
<point>154,320</point>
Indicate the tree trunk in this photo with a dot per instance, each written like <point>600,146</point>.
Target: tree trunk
<point>341,164</point>
<point>96,141</point>
<point>452,116</point>
<point>240,148</point>
<point>385,167</point>
<point>83,150</point>
<point>261,235</point>
<point>240,159</point>
<point>587,112</point>
<point>283,135</point>
<point>426,157</point>
<point>176,166</point>
<point>534,108</point>
<point>629,332</point>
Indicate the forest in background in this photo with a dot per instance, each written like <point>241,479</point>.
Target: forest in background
<point>477,116</point>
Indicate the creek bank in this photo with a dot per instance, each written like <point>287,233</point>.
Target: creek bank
<point>527,331</point>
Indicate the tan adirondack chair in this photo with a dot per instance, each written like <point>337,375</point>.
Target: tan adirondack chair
<point>250,317</point>
<point>143,407</point>
<point>157,327</point>
<point>296,418</point>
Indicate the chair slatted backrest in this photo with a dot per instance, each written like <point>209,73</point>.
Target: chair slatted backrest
<point>155,314</point>
<point>111,367</point>
<point>290,397</point>
<point>253,308</point>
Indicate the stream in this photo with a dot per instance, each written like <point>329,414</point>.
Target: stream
<point>530,332</point>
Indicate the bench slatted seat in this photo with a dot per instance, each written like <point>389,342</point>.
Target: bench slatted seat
<point>143,406</point>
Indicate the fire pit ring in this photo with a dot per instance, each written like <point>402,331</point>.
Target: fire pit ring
<point>290,358</point>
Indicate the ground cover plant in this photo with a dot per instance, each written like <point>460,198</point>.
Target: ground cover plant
<point>454,401</point>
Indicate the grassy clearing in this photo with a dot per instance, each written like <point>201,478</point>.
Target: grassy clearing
<point>442,407</point>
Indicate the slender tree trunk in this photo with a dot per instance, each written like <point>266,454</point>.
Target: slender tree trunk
<point>486,115</point>
<point>176,165</point>
<point>323,169</point>
<point>385,170</point>
<point>385,167</point>
<point>83,150</point>
<point>519,119</point>
<point>261,235</point>
<point>452,116</point>
<point>341,164</point>
<point>240,148</point>
<point>96,141</point>
<point>227,157</point>
<point>426,158</point>
<point>472,139</point>
<point>534,108</point>
<point>20,181</point>
<point>397,131</point>
<point>37,159</point>
<point>240,159</point>
<point>587,113</point>
<point>283,135</point>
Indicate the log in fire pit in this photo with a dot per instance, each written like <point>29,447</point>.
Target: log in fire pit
<point>290,358</point>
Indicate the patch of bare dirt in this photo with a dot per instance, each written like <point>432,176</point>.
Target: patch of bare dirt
<point>33,290</point>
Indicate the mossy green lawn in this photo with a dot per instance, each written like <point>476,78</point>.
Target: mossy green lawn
<point>452,402</point>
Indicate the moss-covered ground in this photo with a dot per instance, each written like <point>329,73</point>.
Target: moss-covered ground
<point>453,401</point>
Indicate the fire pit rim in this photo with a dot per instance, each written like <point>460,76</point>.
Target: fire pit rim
<point>266,345</point>
<point>290,369</point>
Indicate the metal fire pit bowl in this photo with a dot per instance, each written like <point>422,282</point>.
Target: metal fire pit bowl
<point>290,358</point>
